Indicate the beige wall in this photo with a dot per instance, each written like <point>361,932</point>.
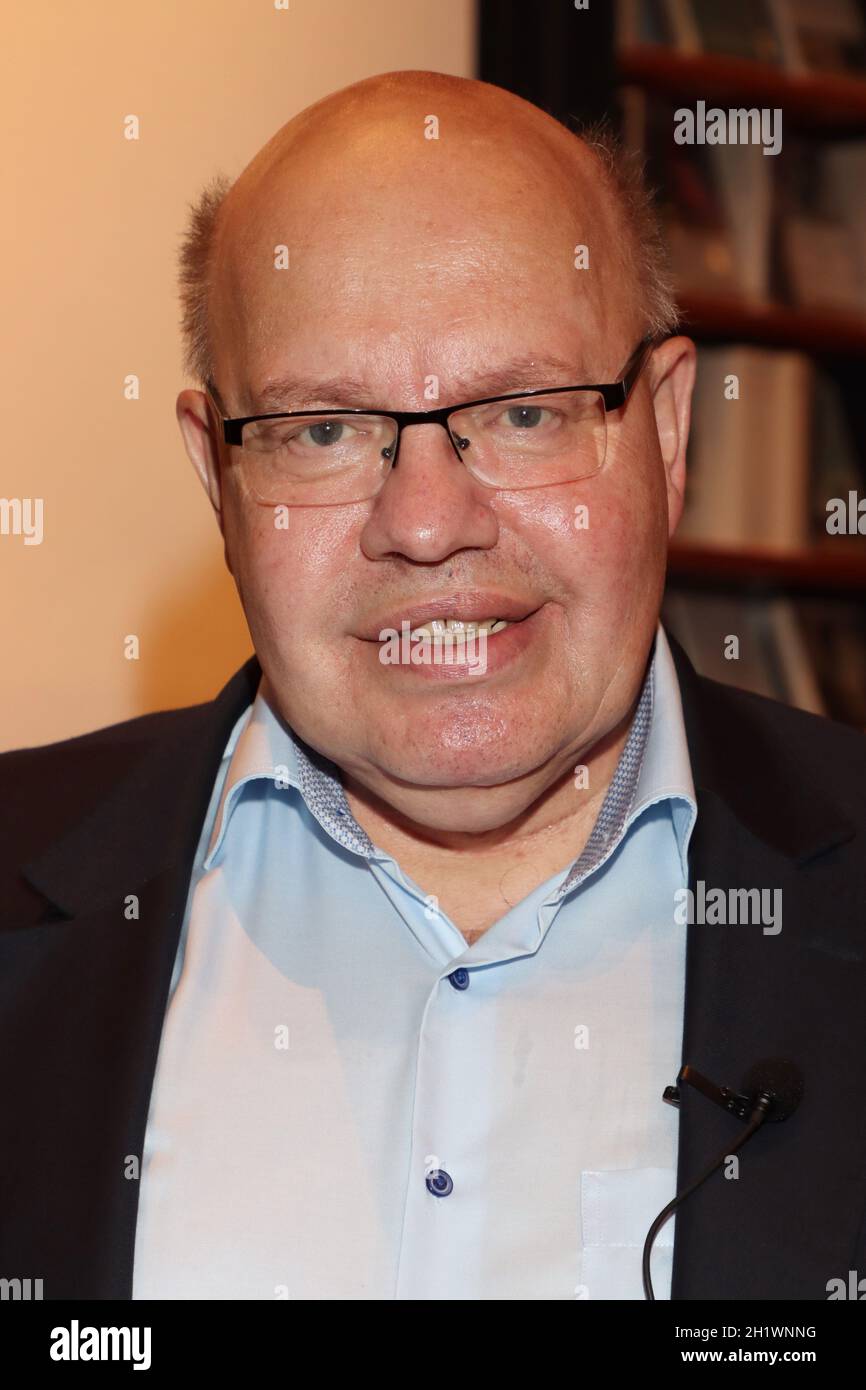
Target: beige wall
<point>92,226</point>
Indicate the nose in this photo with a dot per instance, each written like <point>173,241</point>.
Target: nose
<point>429,505</point>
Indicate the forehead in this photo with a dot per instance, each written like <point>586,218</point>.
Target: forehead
<point>414,256</point>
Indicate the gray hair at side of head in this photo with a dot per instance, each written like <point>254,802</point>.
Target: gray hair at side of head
<point>195,264</point>
<point>645,249</point>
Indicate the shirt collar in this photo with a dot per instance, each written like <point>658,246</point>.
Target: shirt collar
<point>263,746</point>
<point>666,768</point>
<point>654,765</point>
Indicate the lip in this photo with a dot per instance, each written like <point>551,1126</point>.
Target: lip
<point>502,652</point>
<point>471,605</point>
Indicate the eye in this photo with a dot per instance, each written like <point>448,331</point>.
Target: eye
<point>323,432</point>
<point>525,416</point>
<point>300,436</point>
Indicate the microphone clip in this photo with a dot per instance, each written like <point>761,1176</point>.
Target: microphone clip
<point>732,1101</point>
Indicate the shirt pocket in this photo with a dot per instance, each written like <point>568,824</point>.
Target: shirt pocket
<point>617,1208</point>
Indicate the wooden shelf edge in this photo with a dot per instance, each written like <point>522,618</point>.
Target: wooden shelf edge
<point>813,568</point>
<point>812,329</point>
<point>809,98</point>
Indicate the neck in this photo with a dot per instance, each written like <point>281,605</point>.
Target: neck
<point>477,876</point>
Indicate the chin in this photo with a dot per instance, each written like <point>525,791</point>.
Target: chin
<point>469,765</point>
<point>471,741</point>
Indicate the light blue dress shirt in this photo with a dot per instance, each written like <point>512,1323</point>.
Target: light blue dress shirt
<point>350,1102</point>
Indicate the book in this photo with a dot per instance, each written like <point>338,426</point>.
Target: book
<point>752,643</point>
<point>738,28</point>
<point>820,264</point>
<point>844,201</point>
<point>784,634</point>
<point>744,178</point>
<point>747,480</point>
<point>640,22</point>
<point>835,634</point>
<point>837,460</point>
<point>716,203</point>
<point>725,637</point>
<point>828,37</point>
<point>691,203</point>
<point>821,225</point>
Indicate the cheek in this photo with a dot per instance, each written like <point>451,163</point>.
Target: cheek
<point>290,564</point>
<point>627,548</point>
<point>600,537</point>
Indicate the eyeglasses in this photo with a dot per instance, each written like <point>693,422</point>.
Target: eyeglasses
<point>522,440</point>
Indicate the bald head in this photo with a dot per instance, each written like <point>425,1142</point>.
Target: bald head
<point>429,155</point>
<point>386,123</point>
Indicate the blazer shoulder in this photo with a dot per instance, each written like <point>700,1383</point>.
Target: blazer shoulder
<point>786,722</point>
<point>142,729</point>
<point>46,788</point>
<point>817,751</point>
<point>121,785</point>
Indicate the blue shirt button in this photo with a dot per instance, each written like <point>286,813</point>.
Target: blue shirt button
<point>459,978</point>
<point>439,1182</point>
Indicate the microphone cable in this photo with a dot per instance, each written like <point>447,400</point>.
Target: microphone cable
<point>774,1090</point>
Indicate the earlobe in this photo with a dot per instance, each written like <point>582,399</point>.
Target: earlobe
<point>201,444</point>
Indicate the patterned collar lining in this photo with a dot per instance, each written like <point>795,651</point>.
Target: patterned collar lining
<point>619,798</point>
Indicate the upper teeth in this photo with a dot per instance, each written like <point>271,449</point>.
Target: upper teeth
<point>443,627</point>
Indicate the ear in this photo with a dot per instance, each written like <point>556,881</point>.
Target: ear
<point>201,441</point>
<point>671,375</point>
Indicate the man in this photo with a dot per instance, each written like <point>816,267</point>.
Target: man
<point>366,979</point>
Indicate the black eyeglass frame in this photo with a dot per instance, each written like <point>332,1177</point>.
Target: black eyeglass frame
<point>613,394</point>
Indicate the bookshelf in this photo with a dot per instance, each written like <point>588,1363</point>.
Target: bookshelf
<point>636,62</point>
<point>798,602</point>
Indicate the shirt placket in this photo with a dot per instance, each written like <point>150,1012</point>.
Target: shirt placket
<point>448,1198</point>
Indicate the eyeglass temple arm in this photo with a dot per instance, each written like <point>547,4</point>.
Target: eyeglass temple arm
<point>635,364</point>
<point>211,390</point>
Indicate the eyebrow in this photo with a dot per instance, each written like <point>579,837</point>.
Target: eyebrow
<point>519,373</point>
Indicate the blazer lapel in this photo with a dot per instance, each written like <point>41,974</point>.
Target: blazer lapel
<point>83,992</point>
<point>789,1221</point>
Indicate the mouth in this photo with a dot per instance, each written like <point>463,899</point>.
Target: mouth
<point>498,637</point>
<point>453,618</point>
<point>456,632</point>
